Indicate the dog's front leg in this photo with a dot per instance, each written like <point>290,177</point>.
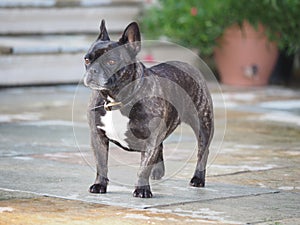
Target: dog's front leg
<point>148,159</point>
<point>99,143</point>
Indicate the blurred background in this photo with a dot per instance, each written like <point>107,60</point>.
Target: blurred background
<point>254,162</point>
<point>43,41</point>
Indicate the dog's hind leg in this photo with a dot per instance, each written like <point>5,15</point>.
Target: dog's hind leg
<point>204,138</point>
<point>158,170</point>
<point>198,179</point>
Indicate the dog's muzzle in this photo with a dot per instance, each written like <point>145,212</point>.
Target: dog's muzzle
<point>94,80</point>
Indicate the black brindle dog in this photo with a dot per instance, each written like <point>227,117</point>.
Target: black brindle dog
<point>137,108</point>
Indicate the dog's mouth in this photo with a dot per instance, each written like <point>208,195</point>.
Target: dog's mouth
<point>90,83</point>
<point>98,88</point>
<point>94,86</point>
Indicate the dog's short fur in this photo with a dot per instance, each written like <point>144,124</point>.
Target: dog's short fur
<point>137,108</point>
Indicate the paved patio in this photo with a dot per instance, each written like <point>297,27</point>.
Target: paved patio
<point>47,166</point>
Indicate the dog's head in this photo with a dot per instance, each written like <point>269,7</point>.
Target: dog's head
<point>107,61</point>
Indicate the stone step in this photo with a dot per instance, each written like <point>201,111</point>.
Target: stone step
<point>43,41</point>
<point>37,69</point>
<point>40,69</point>
<point>46,44</point>
<point>65,20</point>
<point>64,3</point>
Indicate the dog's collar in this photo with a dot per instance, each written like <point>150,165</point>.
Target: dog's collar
<point>109,106</point>
<point>112,105</point>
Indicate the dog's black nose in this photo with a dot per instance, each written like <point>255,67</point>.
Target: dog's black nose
<point>87,61</point>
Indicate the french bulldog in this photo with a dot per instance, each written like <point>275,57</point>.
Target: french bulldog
<point>137,108</point>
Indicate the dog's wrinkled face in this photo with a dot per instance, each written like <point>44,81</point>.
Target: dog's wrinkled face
<point>107,60</point>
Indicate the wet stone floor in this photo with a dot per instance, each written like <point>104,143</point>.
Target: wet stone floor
<point>253,174</point>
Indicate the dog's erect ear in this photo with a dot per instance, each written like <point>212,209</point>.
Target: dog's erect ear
<point>132,36</point>
<point>103,36</point>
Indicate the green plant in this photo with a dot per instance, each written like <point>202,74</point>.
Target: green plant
<point>199,23</point>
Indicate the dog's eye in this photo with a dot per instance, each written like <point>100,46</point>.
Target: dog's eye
<point>87,61</point>
<point>111,62</point>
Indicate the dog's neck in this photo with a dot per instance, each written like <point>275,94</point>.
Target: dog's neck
<point>125,90</point>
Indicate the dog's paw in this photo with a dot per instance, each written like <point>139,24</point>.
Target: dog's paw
<point>98,189</point>
<point>142,192</point>
<point>158,171</point>
<point>197,182</point>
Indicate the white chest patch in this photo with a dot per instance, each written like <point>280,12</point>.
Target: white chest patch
<point>115,126</point>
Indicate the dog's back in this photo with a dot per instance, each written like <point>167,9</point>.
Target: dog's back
<point>189,86</point>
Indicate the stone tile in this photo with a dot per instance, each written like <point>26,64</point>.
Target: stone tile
<point>71,181</point>
<point>265,209</point>
<point>280,178</point>
<point>45,210</point>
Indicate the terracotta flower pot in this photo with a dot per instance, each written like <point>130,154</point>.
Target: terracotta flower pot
<point>245,57</point>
